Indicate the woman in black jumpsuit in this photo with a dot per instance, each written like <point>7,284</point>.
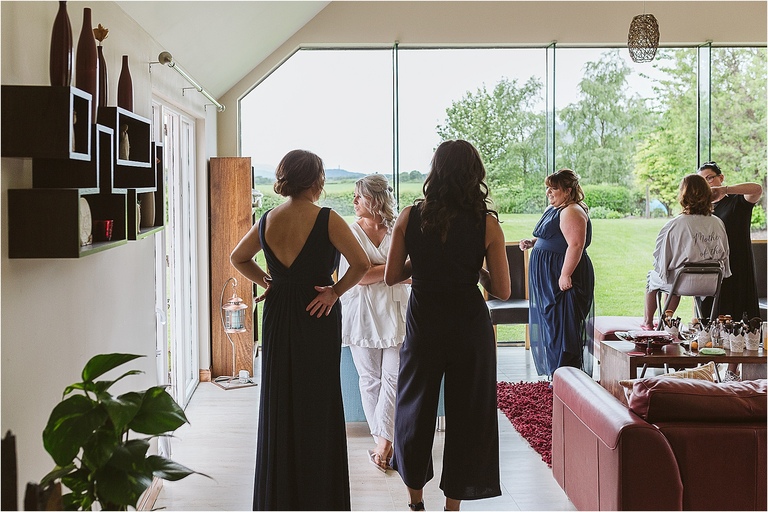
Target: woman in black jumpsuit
<point>441,243</point>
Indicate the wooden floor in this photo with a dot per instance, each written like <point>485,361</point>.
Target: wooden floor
<point>221,442</point>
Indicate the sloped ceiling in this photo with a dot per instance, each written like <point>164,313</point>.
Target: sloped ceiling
<point>219,42</point>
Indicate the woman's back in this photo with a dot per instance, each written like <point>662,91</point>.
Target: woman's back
<point>438,264</point>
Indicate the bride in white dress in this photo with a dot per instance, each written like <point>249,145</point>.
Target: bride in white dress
<point>373,315</point>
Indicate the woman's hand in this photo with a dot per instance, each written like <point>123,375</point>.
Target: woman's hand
<point>526,243</point>
<point>267,283</point>
<point>565,282</point>
<point>323,303</point>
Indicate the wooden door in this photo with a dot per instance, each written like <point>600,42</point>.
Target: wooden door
<point>230,217</point>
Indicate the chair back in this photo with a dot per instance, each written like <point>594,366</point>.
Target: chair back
<point>518,272</point>
<point>698,280</point>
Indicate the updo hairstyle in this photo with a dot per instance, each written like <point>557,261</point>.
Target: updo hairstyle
<point>299,170</point>
<point>567,181</point>
<point>381,199</point>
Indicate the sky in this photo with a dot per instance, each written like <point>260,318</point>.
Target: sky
<point>338,103</point>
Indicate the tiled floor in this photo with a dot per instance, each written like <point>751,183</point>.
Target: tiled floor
<point>221,442</point>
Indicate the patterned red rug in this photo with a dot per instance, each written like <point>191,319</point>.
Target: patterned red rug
<point>528,405</point>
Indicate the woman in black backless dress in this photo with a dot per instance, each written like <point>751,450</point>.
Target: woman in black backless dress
<point>301,458</point>
<point>441,243</point>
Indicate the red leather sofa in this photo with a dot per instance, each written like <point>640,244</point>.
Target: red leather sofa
<point>682,444</point>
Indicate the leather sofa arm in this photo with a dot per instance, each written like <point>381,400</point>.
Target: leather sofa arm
<point>603,455</point>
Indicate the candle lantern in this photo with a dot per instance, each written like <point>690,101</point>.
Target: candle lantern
<point>234,314</point>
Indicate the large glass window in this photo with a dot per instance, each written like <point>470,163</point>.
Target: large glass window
<point>630,130</point>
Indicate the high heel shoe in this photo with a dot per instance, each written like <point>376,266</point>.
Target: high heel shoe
<point>416,506</point>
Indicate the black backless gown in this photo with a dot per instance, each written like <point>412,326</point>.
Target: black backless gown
<point>301,455</point>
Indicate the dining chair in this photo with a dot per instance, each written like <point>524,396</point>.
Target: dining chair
<point>515,309</point>
<point>695,280</point>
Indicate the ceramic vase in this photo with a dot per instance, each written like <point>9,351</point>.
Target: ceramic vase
<point>103,83</point>
<point>148,210</point>
<point>61,56</point>
<point>87,63</point>
<point>125,87</point>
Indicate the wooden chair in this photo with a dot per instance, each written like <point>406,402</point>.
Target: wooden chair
<point>515,309</point>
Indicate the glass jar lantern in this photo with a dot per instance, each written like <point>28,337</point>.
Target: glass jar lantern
<point>234,315</point>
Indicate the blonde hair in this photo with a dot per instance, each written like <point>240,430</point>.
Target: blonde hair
<point>381,200</point>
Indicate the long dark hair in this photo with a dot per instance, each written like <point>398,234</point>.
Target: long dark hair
<point>455,183</point>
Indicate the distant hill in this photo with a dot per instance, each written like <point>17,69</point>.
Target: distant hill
<point>268,171</point>
<point>339,174</point>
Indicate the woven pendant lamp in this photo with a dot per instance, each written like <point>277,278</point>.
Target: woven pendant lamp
<point>643,38</point>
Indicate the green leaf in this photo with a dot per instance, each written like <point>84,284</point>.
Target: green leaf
<point>122,409</point>
<point>102,363</point>
<point>57,473</point>
<point>117,489</point>
<point>169,470</point>
<point>101,386</point>
<point>159,413</point>
<point>100,447</point>
<point>130,455</point>
<point>70,425</point>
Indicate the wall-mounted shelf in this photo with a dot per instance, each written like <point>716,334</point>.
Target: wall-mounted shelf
<point>137,171</point>
<point>46,122</point>
<point>152,211</point>
<point>45,223</point>
<point>91,176</point>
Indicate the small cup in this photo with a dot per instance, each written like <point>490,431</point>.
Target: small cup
<point>753,340</point>
<point>244,376</point>
<point>737,343</point>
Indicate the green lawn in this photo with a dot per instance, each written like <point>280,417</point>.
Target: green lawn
<point>621,253</point>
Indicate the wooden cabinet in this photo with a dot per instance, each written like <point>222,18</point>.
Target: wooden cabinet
<point>74,159</point>
<point>230,217</point>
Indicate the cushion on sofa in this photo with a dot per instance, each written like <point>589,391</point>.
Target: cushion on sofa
<point>663,399</point>
<point>703,372</point>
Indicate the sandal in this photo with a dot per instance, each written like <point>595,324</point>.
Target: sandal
<point>375,459</point>
<point>416,506</point>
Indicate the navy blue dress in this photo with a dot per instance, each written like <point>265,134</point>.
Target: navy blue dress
<point>560,321</point>
<point>448,333</point>
<point>301,454</point>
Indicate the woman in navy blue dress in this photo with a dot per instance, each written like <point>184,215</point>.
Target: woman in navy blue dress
<point>441,243</point>
<point>561,279</point>
<point>301,452</point>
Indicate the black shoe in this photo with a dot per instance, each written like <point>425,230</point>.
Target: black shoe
<point>416,506</point>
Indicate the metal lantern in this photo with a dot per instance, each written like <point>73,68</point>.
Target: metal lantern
<point>234,314</point>
<point>643,38</point>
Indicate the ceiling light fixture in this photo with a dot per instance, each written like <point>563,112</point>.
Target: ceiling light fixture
<point>643,38</point>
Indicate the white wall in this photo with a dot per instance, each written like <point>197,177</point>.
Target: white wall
<point>500,23</point>
<point>57,313</point>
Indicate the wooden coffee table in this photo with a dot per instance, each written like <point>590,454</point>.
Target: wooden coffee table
<point>619,360</point>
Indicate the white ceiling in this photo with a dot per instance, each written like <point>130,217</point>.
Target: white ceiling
<point>219,42</point>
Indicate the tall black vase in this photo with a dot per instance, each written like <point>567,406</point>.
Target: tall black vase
<point>125,87</point>
<point>103,83</point>
<point>87,63</point>
<point>61,57</point>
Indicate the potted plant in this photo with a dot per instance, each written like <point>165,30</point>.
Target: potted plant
<point>87,436</point>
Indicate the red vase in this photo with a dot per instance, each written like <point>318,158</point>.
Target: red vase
<point>61,57</point>
<point>87,63</point>
<point>125,87</point>
<point>103,83</point>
